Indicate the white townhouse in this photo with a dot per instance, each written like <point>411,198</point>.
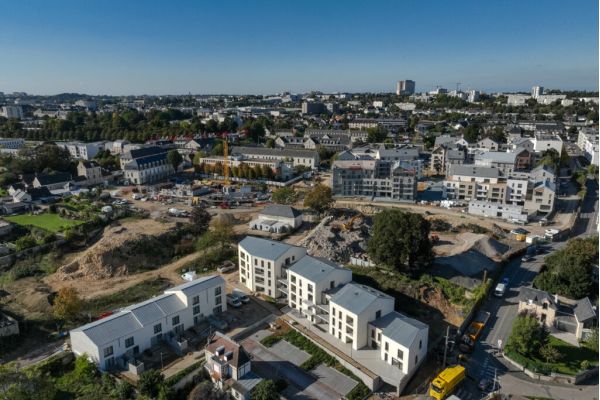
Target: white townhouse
<point>115,341</point>
<point>262,262</point>
<point>277,218</point>
<point>402,340</point>
<point>352,308</point>
<point>309,284</point>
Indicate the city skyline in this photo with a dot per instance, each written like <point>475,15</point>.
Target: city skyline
<point>266,47</point>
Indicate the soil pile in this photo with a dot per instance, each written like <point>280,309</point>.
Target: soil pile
<point>123,249</point>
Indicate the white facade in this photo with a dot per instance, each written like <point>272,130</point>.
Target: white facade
<point>80,150</point>
<point>587,141</point>
<point>261,262</point>
<point>113,341</point>
<point>537,91</point>
<point>12,112</point>
<point>508,212</point>
<point>543,142</point>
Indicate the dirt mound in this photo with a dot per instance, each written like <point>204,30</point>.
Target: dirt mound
<point>464,242</point>
<point>123,249</point>
<point>331,240</point>
<point>436,299</point>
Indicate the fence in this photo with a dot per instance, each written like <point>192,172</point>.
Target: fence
<point>553,376</point>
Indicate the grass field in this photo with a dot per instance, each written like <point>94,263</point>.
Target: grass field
<point>49,222</point>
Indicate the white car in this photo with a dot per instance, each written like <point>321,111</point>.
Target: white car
<point>233,301</point>
<point>241,296</point>
<point>500,290</point>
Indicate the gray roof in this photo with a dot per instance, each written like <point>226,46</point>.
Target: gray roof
<point>356,298</point>
<point>445,139</point>
<point>455,155</point>
<point>314,269</point>
<point>399,154</point>
<point>107,329</point>
<point>280,210</point>
<point>268,152</point>
<point>198,285</point>
<point>264,248</point>
<point>501,157</point>
<point>536,296</point>
<point>584,310</point>
<point>400,328</point>
<point>247,382</point>
<point>473,170</point>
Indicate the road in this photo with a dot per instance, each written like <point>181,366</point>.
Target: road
<point>503,311</point>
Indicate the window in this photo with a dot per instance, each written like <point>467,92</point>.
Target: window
<point>416,359</point>
<point>218,299</point>
<point>373,333</point>
<point>310,288</point>
<point>385,356</point>
<point>108,351</point>
<point>378,314</point>
<point>387,346</point>
<point>157,328</point>
<point>400,355</point>
<point>196,310</point>
<point>175,320</point>
<point>420,344</point>
<point>196,300</point>
<point>262,263</point>
<point>217,290</point>
<point>129,342</point>
<point>217,310</point>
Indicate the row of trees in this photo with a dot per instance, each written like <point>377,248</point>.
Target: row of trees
<point>241,171</point>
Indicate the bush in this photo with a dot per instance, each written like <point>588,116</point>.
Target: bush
<point>270,340</point>
<point>25,242</point>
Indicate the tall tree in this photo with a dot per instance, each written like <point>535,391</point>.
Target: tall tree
<point>199,220</point>
<point>400,240</point>
<point>527,335</point>
<point>319,199</point>
<point>67,303</point>
<point>174,158</point>
<point>284,195</point>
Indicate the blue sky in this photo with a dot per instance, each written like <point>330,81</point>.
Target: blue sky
<point>267,46</point>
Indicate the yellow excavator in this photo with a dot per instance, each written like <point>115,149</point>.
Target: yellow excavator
<point>348,225</point>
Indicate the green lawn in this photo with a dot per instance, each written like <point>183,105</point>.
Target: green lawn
<point>49,222</point>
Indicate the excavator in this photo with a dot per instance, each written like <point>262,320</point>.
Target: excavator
<point>348,225</point>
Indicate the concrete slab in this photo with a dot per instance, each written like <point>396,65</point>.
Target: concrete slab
<point>260,335</point>
<point>334,378</point>
<point>290,352</point>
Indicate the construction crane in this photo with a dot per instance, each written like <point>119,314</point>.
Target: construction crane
<point>225,160</point>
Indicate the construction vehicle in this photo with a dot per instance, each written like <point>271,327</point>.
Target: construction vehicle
<point>468,340</point>
<point>446,381</point>
<point>348,225</point>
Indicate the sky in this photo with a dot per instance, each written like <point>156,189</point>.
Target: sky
<point>122,47</point>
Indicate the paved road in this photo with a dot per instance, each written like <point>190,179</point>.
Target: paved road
<point>503,311</point>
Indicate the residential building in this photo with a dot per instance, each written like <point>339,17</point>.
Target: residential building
<point>53,181</point>
<point>331,143</point>
<point>405,87</point>
<point>277,218</point>
<point>470,182</point>
<point>11,145</point>
<point>80,150</point>
<point>309,285</point>
<point>509,212</point>
<point>355,135</point>
<point>313,107</point>
<point>503,161</point>
<point>117,340</point>
<point>307,158</point>
<point>90,172</point>
<point>229,366</point>
<point>376,179</point>
<point>11,112</point>
<point>537,91</point>
<point>473,96</point>
<point>146,165</point>
<point>263,262</point>
<point>543,142</point>
<point>587,141</point>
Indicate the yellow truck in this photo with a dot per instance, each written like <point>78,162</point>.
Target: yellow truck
<point>446,382</point>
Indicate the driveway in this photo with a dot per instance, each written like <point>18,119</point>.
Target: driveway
<point>268,364</point>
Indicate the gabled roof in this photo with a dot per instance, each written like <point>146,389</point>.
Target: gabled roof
<point>356,298</point>
<point>239,354</point>
<point>264,248</point>
<point>146,152</point>
<point>584,310</point>
<point>280,210</point>
<point>315,269</point>
<point>50,179</point>
<point>38,193</point>
<point>89,164</point>
<point>536,296</point>
<point>400,328</point>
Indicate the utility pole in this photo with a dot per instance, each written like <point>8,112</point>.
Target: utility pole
<point>446,346</point>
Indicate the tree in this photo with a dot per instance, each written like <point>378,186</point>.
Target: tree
<point>471,133</point>
<point>376,134</point>
<point>174,158</point>
<point>150,382</point>
<point>199,220</point>
<point>527,335</point>
<point>265,390</point>
<point>550,158</point>
<point>550,353</point>
<point>319,199</point>
<point>284,195</point>
<point>400,240</point>
<point>67,303</point>
<point>222,232</point>
<point>498,135</point>
<point>25,242</point>
<point>18,384</point>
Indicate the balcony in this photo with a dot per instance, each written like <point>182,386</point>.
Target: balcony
<point>283,289</point>
<point>282,282</point>
<point>324,307</point>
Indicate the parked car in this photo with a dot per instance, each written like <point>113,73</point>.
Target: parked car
<point>227,266</point>
<point>485,384</point>
<point>241,296</point>
<point>233,301</point>
<point>217,323</point>
<point>500,290</point>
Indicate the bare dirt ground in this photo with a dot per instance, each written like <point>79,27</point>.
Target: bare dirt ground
<point>451,244</point>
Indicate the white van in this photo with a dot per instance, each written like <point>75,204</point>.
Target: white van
<point>500,290</point>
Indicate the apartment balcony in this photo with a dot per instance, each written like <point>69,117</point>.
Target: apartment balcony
<point>283,289</point>
<point>322,317</point>
<point>324,307</point>
<point>259,271</point>
<point>283,282</point>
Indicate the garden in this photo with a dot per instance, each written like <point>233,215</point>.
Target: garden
<point>49,222</point>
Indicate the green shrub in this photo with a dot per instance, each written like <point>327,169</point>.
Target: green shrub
<point>270,340</point>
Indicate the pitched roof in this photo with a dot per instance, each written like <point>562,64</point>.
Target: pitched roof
<point>356,298</point>
<point>280,210</point>
<point>314,269</point>
<point>264,248</point>
<point>146,152</point>
<point>399,327</point>
<point>239,354</point>
<point>584,310</point>
<point>50,179</point>
<point>536,296</point>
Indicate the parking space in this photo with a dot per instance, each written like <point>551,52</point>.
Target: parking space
<point>290,352</point>
<point>335,379</point>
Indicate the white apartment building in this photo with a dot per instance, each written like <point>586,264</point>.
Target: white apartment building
<point>402,340</point>
<point>263,262</point>
<point>543,142</point>
<point>12,112</point>
<point>352,308</point>
<point>115,341</point>
<point>471,182</point>
<point>587,141</point>
<point>537,91</point>
<point>309,284</point>
<point>80,150</point>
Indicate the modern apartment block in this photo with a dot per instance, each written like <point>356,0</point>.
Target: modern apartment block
<point>587,141</point>
<point>405,87</point>
<point>376,179</point>
<point>117,340</point>
<point>263,263</point>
